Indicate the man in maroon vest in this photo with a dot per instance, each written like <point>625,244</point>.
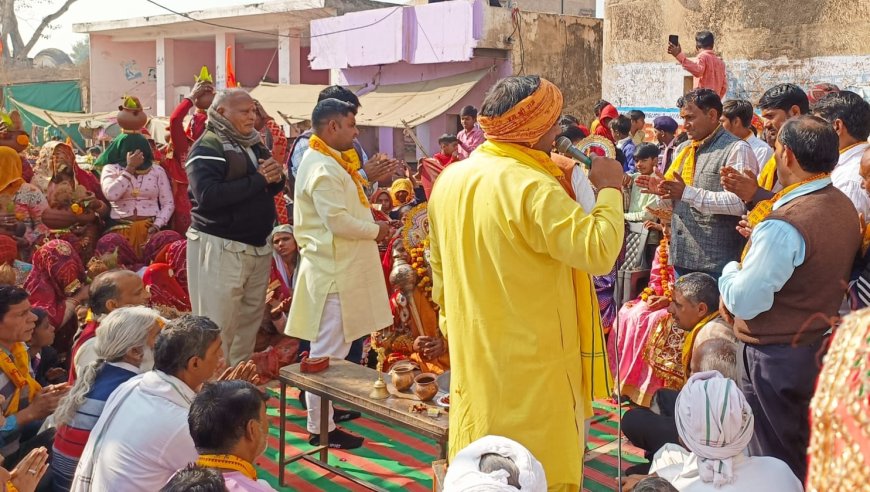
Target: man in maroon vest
<point>787,291</point>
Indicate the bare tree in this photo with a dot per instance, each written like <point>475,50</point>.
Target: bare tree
<point>13,45</point>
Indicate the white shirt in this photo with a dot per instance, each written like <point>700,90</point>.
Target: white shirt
<point>761,150</point>
<point>141,439</point>
<point>583,189</point>
<point>756,474</point>
<point>741,158</point>
<point>847,178</point>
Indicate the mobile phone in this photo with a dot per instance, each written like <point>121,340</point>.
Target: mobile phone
<point>674,40</point>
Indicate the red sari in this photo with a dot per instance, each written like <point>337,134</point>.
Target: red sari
<point>174,165</point>
<point>116,243</point>
<point>176,256</point>
<point>57,273</point>
<point>156,244</point>
<point>164,288</point>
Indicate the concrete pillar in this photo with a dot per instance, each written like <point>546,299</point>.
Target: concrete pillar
<point>385,140</point>
<point>289,57</point>
<point>284,56</point>
<point>221,41</point>
<point>296,60</point>
<point>165,76</point>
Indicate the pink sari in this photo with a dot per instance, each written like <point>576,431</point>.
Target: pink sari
<point>635,323</point>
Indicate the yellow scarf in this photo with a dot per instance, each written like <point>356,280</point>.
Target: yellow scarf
<point>349,160</point>
<point>596,377</point>
<point>227,462</point>
<point>689,343</point>
<point>684,162</point>
<point>765,207</point>
<point>18,371</point>
<point>767,178</point>
<point>526,155</point>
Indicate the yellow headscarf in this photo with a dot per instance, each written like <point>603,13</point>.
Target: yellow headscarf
<point>529,120</point>
<point>403,184</point>
<point>10,171</point>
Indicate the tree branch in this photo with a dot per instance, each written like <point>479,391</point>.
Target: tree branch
<point>41,27</point>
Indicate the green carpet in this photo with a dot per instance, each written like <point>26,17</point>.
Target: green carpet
<point>400,460</point>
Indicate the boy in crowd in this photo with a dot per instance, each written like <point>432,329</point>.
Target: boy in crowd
<point>638,123</point>
<point>646,158</point>
<point>621,129</point>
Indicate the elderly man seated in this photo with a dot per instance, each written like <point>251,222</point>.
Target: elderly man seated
<point>495,463</point>
<point>715,425</point>
<point>142,437</point>
<point>651,428</point>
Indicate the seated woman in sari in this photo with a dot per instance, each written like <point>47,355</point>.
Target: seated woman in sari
<point>637,319</point>
<point>121,254</point>
<point>21,204</point>
<point>157,245</point>
<point>76,202</point>
<point>160,281</point>
<point>56,284</point>
<point>140,195</point>
<point>9,258</point>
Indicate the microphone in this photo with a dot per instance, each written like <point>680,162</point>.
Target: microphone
<point>564,146</point>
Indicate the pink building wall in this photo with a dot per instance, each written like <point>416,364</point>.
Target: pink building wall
<point>119,69</point>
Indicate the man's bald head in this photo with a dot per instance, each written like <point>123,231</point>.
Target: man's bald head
<point>114,289</point>
<point>716,354</point>
<point>226,97</point>
<point>238,107</point>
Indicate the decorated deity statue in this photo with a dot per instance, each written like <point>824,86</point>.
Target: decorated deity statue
<point>414,334</point>
<point>132,119</point>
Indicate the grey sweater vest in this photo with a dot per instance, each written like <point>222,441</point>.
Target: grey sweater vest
<point>699,241</point>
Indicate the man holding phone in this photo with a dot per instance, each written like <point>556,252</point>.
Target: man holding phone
<point>708,70</point>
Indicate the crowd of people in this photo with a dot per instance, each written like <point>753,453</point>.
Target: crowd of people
<point>147,290</point>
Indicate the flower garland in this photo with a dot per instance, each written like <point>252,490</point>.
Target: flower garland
<point>664,271</point>
<point>421,266</point>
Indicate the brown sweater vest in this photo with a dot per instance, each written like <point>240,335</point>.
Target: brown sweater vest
<point>804,308</point>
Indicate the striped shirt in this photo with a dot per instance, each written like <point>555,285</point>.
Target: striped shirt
<point>70,440</point>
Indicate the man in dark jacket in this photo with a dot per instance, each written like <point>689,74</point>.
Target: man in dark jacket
<point>233,179</point>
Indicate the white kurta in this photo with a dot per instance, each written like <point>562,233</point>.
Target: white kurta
<point>338,253</point>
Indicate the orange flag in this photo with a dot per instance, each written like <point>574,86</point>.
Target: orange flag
<point>231,73</point>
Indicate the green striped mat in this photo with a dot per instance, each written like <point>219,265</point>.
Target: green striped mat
<point>397,459</point>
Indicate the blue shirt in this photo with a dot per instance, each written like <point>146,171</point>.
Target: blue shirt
<point>777,249</point>
<point>627,146</point>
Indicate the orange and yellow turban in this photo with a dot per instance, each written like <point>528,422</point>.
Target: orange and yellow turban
<point>529,120</point>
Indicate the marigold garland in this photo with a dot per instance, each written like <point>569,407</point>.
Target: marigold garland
<point>664,271</point>
<point>421,266</point>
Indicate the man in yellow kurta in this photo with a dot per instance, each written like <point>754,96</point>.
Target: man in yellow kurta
<point>505,238</point>
<point>340,293</point>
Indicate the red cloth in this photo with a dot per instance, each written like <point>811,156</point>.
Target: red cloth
<point>607,114</point>
<point>26,170</point>
<point>164,288</point>
<point>156,243</point>
<point>174,165</point>
<point>8,250</point>
<point>283,291</point>
<point>114,242</point>
<point>176,256</point>
<point>57,271</point>
<point>88,331</point>
<point>279,153</point>
<point>431,168</point>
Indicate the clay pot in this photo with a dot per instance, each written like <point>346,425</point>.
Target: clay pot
<point>132,119</point>
<point>204,101</point>
<point>403,376</point>
<point>425,386</point>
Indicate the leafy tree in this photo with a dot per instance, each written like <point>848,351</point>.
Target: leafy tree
<point>81,51</point>
<point>14,47</point>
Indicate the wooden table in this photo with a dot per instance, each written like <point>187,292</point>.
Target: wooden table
<point>348,385</point>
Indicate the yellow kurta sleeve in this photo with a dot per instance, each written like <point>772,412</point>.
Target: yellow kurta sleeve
<point>437,278</point>
<point>329,201</point>
<point>559,227</point>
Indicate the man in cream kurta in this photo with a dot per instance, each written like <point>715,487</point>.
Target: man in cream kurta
<point>505,237</point>
<point>340,294</point>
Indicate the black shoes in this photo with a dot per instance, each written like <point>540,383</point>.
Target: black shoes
<point>338,415</point>
<point>338,439</point>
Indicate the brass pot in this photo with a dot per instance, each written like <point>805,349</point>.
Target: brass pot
<point>403,376</point>
<point>425,386</point>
